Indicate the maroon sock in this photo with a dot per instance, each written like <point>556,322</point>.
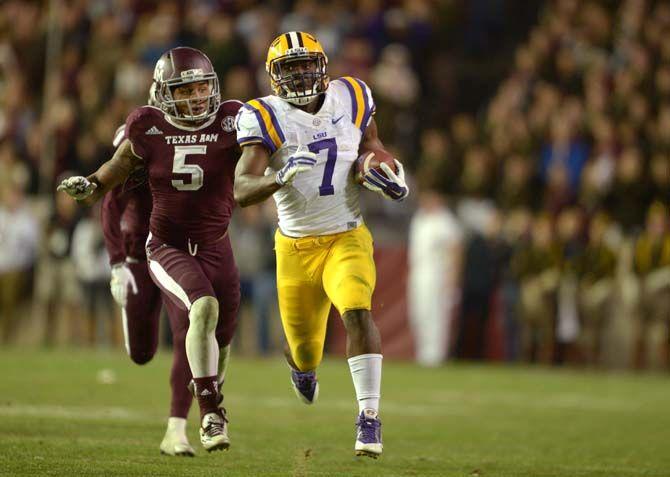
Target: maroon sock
<point>207,394</point>
<point>180,376</point>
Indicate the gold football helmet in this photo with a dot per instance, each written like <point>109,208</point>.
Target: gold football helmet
<point>297,67</point>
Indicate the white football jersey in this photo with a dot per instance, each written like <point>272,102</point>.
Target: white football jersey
<point>323,200</point>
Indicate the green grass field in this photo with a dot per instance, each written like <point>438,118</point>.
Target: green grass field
<point>56,418</point>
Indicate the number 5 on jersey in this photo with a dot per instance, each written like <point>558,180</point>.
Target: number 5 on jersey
<point>179,166</point>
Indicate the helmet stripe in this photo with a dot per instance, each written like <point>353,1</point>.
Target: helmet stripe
<point>289,40</point>
<point>300,42</point>
<point>294,39</point>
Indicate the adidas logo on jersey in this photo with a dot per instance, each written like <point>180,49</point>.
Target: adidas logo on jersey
<point>206,392</point>
<point>153,131</point>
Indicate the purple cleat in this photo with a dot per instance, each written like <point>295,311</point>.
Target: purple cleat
<point>368,434</point>
<point>305,385</point>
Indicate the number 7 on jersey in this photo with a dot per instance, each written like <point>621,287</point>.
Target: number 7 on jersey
<point>326,187</point>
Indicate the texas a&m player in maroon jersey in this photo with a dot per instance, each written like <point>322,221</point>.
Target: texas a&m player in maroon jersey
<point>188,147</point>
<point>125,223</point>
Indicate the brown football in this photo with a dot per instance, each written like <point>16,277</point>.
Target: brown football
<point>372,160</point>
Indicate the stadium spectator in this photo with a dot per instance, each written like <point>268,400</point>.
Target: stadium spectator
<point>252,238</point>
<point>597,288</point>
<point>18,249</point>
<point>536,267</point>
<point>58,291</point>
<point>91,266</point>
<point>659,171</point>
<point>515,232</point>
<point>569,237</point>
<point>517,186</point>
<point>435,250</point>
<point>652,266</point>
<point>629,193</point>
<point>479,280</point>
<point>436,168</point>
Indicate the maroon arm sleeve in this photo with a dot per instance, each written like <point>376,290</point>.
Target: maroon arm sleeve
<point>113,205</point>
<point>135,129</point>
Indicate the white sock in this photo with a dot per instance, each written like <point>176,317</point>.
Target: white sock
<point>202,349</point>
<point>177,425</point>
<point>224,359</point>
<point>366,372</point>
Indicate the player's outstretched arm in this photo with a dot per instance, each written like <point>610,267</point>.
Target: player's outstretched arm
<point>90,189</point>
<point>252,186</point>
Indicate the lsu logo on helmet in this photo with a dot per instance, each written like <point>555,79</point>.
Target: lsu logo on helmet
<point>297,66</point>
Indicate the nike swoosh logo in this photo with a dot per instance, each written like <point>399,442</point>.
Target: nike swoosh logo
<point>335,121</point>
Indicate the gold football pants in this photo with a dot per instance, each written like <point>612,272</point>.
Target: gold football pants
<point>312,273</point>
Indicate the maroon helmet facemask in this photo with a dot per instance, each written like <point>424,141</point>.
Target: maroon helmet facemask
<point>180,66</point>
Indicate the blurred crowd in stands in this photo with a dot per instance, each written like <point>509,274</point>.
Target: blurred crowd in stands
<point>536,135</point>
<point>563,184</point>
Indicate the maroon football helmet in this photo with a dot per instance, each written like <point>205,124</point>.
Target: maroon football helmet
<point>180,66</point>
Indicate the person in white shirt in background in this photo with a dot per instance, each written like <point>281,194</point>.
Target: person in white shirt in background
<point>19,233</point>
<point>435,254</point>
<point>91,263</point>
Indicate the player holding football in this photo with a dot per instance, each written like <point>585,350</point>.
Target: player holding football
<point>299,145</point>
<point>187,146</point>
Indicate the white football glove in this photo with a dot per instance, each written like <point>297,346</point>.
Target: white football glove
<point>300,161</point>
<point>122,279</point>
<point>392,186</point>
<point>78,187</point>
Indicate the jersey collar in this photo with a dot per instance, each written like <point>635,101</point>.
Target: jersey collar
<point>189,128</point>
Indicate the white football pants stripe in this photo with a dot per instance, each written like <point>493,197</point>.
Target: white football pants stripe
<point>124,321</point>
<point>168,283</point>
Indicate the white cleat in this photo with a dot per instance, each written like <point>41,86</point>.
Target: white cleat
<point>175,441</point>
<point>176,445</point>
<point>214,431</point>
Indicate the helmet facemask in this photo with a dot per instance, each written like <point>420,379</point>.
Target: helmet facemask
<point>171,106</point>
<point>299,86</point>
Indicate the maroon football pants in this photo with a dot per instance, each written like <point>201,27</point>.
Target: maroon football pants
<point>184,276</point>
<point>141,326</point>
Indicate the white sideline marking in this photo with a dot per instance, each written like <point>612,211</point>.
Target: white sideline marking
<point>438,404</point>
<point>71,412</point>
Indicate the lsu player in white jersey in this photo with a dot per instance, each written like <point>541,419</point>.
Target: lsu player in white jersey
<point>299,145</point>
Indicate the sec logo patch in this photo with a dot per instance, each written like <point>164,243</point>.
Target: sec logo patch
<point>228,124</point>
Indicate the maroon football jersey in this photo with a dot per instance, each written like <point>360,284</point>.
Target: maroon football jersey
<point>191,172</point>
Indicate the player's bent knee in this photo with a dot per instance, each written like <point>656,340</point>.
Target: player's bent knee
<point>307,356</point>
<point>204,313</point>
<point>353,294</point>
